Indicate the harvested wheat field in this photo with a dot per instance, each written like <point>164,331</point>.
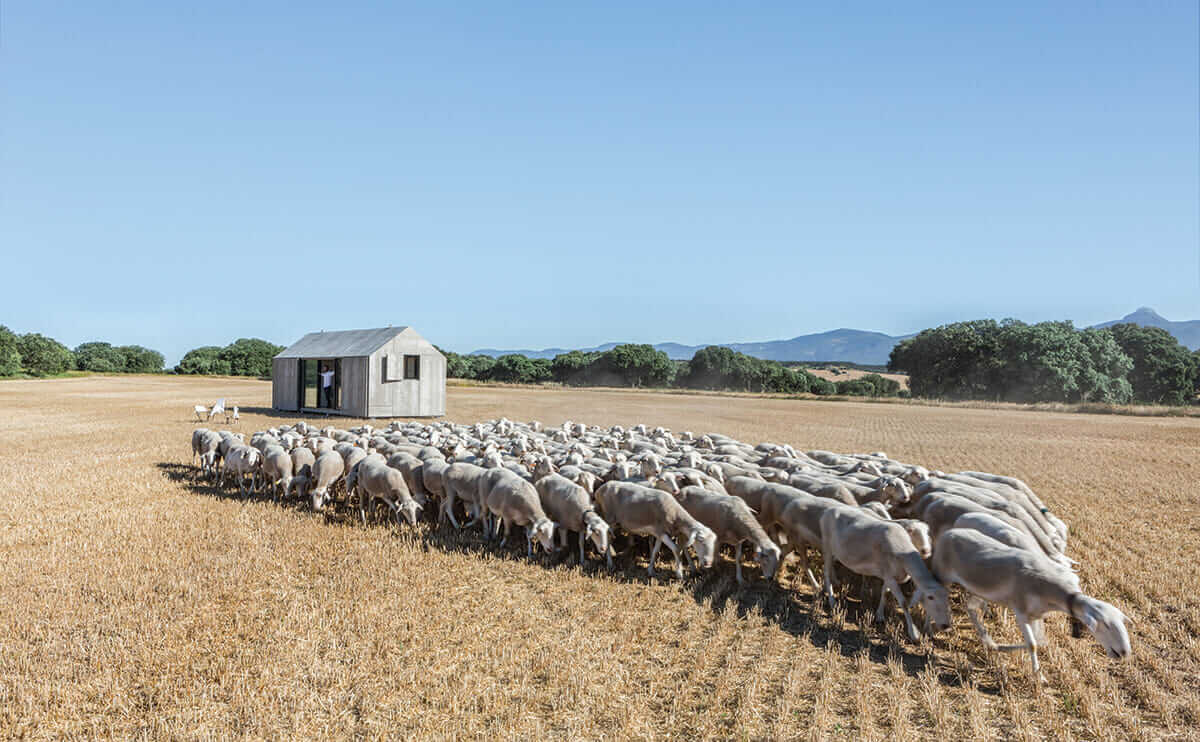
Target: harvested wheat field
<point>138,604</point>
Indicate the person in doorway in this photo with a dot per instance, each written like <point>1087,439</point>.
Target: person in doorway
<point>327,385</point>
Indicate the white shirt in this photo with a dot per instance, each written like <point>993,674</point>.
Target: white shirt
<point>326,379</point>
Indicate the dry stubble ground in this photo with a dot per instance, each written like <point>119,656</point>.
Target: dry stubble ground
<point>134,603</point>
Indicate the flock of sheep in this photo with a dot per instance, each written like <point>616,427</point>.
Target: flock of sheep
<point>879,518</point>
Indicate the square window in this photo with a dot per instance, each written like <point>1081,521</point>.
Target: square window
<point>412,367</point>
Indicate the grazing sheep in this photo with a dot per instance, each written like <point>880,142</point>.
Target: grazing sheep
<point>277,470</point>
<point>1029,585</point>
<point>766,499</point>
<point>326,470</point>
<point>649,512</point>
<point>997,502</point>
<point>377,483</point>
<point>240,461</point>
<point>992,526</point>
<point>878,548</point>
<point>570,507</point>
<point>462,482</point>
<point>302,461</point>
<point>432,472</point>
<point>197,437</point>
<point>1018,493</point>
<point>731,519</point>
<point>207,450</point>
<point>515,502</point>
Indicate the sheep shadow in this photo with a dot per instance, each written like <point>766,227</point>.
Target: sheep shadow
<point>189,476</point>
<point>803,615</point>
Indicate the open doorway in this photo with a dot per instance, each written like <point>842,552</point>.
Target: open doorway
<point>321,379</point>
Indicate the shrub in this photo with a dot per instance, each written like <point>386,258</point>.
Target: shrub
<point>139,360</point>
<point>99,357</point>
<point>855,388</point>
<point>43,356</point>
<point>249,356</point>
<point>10,355</point>
<point>1162,371</point>
<point>203,360</point>
<point>822,387</point>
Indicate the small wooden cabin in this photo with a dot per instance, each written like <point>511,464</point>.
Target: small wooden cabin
<point>384,372</point>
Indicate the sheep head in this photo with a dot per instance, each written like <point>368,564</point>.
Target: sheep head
<point>543,531</point>
<point>409,510</point>
<point>597,530</point>
<point>705,542</point>
<point>1106,622</point>
<point>768,559</point>
<point>935,600</point>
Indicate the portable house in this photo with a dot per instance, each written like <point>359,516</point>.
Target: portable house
<point>385,372</point>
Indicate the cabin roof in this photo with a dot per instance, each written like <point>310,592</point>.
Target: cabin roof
<point>342,343</point>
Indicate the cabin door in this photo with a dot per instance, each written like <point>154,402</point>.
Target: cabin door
<point>322,380</point>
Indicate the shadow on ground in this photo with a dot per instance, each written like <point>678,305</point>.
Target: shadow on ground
<point>797,612</point>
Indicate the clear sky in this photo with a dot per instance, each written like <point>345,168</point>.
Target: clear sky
<point>563,174</point>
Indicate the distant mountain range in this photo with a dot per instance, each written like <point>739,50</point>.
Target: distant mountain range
<point>852,346</point>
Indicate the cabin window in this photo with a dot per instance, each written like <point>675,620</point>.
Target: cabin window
<point>412,367</point>
<point>383,369</point>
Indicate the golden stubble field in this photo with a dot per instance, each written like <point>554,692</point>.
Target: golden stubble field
<point>136,604</point>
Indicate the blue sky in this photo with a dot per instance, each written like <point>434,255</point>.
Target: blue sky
<point>538,174</point>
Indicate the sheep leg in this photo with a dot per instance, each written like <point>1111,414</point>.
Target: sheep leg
<point>529,540</point>
<point>654,553</point>
<point>448,511</point>
<point>879,612</point>
<point>737,559</point>
<point>582,542</point>
<point>890,584</point>
<point>974,604</point>
<point>1027,631</point>
<point>687,555</point>
<point>804,560</point>
<point>1039,630</point>
<point>678,565</point>
<point>829,561</point>
<point>608,556</point>
<point>504,522</point>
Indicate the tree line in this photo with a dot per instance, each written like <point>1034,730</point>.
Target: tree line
<point>1048,362</point>
<point>34,354</point>
<point>1007,361</point>
<point>637,365</point>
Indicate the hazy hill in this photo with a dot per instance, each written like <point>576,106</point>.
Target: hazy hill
<point>1186,332</point>
<point>853,346</point>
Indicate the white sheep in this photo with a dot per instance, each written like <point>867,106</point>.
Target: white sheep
<point>731,519</point>
<point>1028,584</point>
<point>326,470</point>
<point>514,502</point>
<point>570,507</point>
<point>878,548</point>
<point>649,512</point>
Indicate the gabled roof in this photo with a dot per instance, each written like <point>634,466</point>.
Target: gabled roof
<point>341,343</point>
